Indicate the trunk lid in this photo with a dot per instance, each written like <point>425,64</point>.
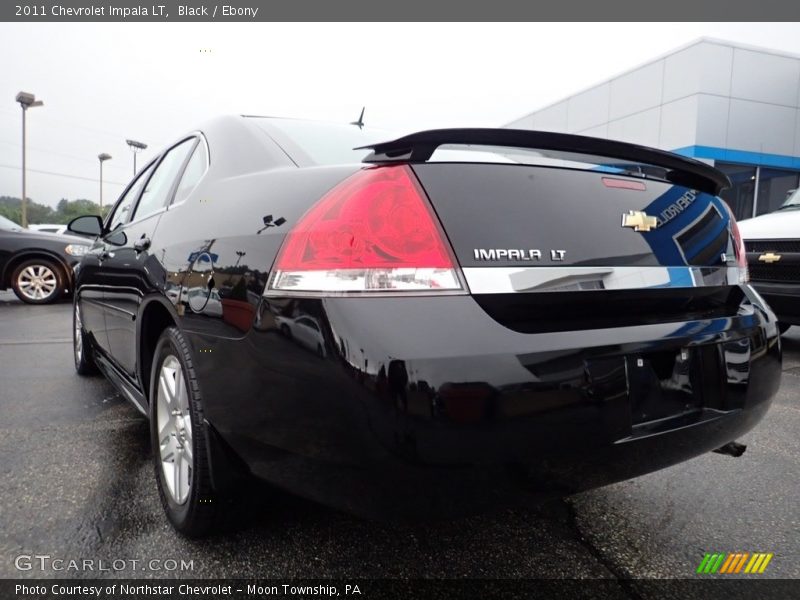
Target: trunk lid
<point>510,215</point>
<point>615,234</point>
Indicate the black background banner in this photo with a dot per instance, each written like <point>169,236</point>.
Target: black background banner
<point>733,588</point>
<point>392,10</point>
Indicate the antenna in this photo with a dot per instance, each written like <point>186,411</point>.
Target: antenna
<point>360,122</point>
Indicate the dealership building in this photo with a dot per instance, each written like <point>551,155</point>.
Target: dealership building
<point>729,105</point>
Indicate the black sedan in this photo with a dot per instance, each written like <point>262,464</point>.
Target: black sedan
<point>425,325</point>
<point>37,266</point>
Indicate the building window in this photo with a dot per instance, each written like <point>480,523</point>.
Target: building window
<point>741,194</point>
<point>774,186</point>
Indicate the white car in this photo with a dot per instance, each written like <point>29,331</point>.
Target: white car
<point>304,330</point>
<point>773,255</point>
<point>203,300</point>
<point>737,361</point>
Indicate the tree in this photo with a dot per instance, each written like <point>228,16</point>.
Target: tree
<point>69,209</point>
<point>65,210</point>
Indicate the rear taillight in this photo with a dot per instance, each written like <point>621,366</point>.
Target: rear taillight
<point>739,249</point>
<point>374,232</point>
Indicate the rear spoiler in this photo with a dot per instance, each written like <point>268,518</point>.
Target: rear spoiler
<point>419,147</point>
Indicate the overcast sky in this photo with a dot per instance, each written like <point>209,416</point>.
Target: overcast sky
<point>103,83</point>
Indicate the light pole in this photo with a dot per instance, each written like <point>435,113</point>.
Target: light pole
<point>102,158</point>
<point>26,101</point>
<point>135,147</point>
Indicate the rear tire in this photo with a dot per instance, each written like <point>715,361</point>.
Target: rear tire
<point>81,349</point>
<point>178,440</point>
<point>38,281</point>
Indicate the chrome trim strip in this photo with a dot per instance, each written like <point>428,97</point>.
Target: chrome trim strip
<point>510,280</point>
<point>172,204</point>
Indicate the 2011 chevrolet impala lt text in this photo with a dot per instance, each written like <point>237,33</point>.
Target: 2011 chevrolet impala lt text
<point>429,325</point>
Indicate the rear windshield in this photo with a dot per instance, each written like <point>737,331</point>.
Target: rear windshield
<point>321,143</point>
<point>8,224</point>
<point>792,200</point>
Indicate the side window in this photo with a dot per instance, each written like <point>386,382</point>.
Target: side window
<point>195,169</point>
<point>122,211</point>
<point>156,192</point>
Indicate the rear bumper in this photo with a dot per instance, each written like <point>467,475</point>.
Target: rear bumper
<point>428,405</point>
<point>783,299</point>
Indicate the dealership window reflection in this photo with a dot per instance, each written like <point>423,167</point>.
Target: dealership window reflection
<point>757,190</point>
<point>774,187</point>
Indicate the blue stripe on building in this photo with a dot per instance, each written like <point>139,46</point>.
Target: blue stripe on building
<point>763,159</point>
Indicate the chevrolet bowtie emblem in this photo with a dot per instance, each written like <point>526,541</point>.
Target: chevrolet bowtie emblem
<point>769,257</point>
<point>639,221</point>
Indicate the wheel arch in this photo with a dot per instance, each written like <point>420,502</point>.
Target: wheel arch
<point>155,315</point>
<point>33,253</point>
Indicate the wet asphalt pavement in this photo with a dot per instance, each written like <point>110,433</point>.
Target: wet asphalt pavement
<point>76,482</point>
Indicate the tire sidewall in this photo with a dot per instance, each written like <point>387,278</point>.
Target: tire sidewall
<point>86,365</point>
<point>50,264</point>
<point>79,364</point>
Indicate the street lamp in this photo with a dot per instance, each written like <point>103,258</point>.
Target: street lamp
<point>135,147</point>
<point>102,158</point>
<point>26,101</point>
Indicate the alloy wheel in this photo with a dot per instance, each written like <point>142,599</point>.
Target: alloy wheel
<point>174,426</point>
<point>78,335</point>
<point>37,282</point>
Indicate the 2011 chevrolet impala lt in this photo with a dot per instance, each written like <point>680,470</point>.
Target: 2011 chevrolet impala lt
<point>431,324</point>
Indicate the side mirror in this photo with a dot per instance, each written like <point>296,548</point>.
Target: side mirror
<point>87,225</point>
<point>117,237</point>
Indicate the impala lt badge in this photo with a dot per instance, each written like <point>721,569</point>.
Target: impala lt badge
<point>639,220</point>
<point>516,254</point>
<point>769,257</point>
